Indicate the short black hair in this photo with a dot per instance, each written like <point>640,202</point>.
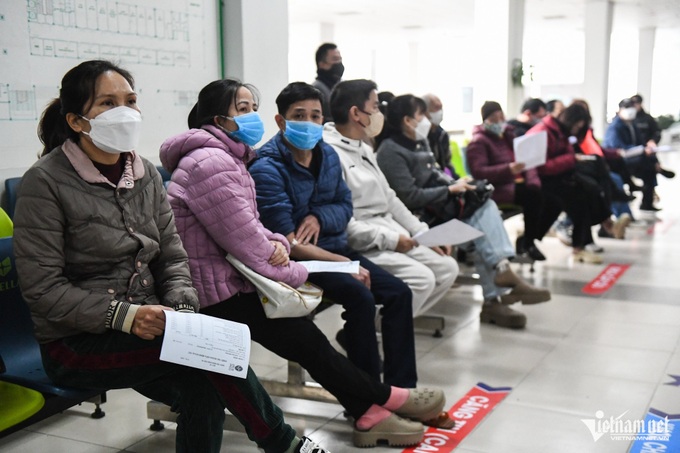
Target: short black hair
<point>626,103</point>
<point>296,92</point>
<point>533,105</point>
<point>322,51</point>
<point>348,94</point>
<point>550,105</point>
<point>636,98</point>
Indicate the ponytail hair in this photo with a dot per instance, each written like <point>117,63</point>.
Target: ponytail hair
<point>395,111</point>
<point>75,96</point>
<point>214,100</point>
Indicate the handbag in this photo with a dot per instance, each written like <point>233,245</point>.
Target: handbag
<point>279,299</point>
<point>459,205</point>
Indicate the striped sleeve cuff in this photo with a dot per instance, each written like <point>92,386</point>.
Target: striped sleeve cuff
<point>185,308</point>
<point>120,316</point>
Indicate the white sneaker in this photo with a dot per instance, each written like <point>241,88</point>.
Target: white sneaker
<point>307,445</point>
<point>594,248</point>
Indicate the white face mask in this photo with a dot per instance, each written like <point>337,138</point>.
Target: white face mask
<point>116,131</point>
<point>423,128</point>
<point>437,117</point>
<point>628,114</point>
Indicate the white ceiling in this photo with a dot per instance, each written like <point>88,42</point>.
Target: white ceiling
<point>410,14</point>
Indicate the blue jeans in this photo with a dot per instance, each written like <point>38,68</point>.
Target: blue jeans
<point>491,248</point>
<point>116,360</point>
<point>619,207</point>
<point>359,303</point>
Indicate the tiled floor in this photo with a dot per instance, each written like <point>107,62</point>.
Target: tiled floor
<point>578,355</point>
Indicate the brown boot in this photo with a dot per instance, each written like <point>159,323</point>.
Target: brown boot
<point>527,294</point>
<point>521,290</point>
<point>494,312</point>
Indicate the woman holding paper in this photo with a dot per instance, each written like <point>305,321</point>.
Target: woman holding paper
<point>405,159</point>
<point>559,183</point>
<point>100,263</point>
<point>490,156</point>
<point>213,197</point>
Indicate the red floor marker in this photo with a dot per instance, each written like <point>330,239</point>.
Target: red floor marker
<point>467,412</point>
<point>606,279</point>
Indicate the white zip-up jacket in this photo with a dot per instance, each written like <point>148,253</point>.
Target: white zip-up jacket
<point>379,216</point>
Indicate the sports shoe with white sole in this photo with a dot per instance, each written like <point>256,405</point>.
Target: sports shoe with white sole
<point>307,445</point>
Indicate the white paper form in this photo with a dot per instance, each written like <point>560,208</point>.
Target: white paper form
<point>346,267</point>
<point>453,232</point>
<point>207,343</point>
<point>531,150</point>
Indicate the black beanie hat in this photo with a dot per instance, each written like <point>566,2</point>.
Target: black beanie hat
<point>489,108</point>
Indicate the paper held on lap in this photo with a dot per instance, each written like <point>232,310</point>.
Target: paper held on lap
<point>531,150</point>
<point>207,343</point>
<point>453,232</point>
<point>346,267</point>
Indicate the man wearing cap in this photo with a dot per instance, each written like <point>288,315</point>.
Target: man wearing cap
<point>624,135</point>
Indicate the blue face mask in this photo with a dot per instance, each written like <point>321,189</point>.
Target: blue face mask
<point>250,128</point>
<point>303,134</point>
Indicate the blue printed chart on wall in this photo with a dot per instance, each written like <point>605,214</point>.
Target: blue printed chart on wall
<point>170,46</point>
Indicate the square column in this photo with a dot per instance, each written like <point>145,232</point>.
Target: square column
<point>598,26</point>
<point>256,50</point>
<point>646,63</point>
<point>499,37</point>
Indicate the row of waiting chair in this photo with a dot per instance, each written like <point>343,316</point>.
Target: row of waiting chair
<point>27,395</point>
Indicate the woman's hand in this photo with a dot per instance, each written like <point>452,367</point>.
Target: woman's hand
<point>308,230</point>
<point>516,167</point>
<point>405,244</point>
<point>149,321</point>
<point>364,276</point>
<point>443,250</point>
<point>280,255</point>
<point>460,186</point>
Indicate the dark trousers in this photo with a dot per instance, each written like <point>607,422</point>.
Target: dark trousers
<point>359,302</point>
<point>644,167</point>
<point>300,340</point>
<point>531,201</point>
<point>116,360</point>
<point>562,195</point>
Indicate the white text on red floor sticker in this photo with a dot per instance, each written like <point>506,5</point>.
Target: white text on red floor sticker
<point>467,412</point>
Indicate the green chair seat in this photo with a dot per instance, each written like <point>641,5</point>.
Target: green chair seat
<point>17,403</point>
<point>6,225</point>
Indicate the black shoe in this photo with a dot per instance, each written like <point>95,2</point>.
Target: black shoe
<point>604,233</point>
<point>520,246</point>
<point>341,339</point>
<point>634,187</point>
<point>620,195</point>
<point>650,208</point>
<point>535,254</point>
<point>667,173</point>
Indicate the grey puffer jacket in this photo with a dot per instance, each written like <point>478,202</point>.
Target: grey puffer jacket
<point>89,253</point>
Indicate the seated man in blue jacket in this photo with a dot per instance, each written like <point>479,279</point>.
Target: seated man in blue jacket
<point>302,195</point>
<point>623,134</point>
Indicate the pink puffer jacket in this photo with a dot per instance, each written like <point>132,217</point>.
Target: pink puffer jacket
<point>213,199</point>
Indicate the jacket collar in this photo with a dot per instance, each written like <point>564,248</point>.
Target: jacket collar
<point>134,167</point>
<point>237,149</point>
<point>402,140</point>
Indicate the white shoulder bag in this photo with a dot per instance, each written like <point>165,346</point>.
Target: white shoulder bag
<point>279,299</point>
